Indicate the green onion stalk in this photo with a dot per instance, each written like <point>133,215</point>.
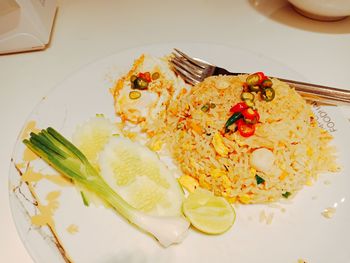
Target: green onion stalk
<point>68,160</point>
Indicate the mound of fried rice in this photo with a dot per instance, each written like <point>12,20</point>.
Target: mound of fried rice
<point>221,162</point>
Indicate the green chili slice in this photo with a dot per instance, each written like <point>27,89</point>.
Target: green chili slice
<point>205,107</point>
<point>268,94</point>
<point>140,83</point>
<point>254,88</point>
<point>247,96</point>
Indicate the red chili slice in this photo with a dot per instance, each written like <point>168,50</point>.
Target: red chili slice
<point>146,76</point>
<point>250,115</point>
<point>262,76</point>
<point>245,129</point>
<point>239,107</point>
<point>255,79</point>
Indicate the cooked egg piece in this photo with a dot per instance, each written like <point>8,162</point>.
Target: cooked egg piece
<point>154,98</point>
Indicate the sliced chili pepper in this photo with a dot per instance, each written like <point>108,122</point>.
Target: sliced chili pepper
<point>140,83</point>
<point>255,79</point>
<point>205,107</point>
<point>133,78</point>
<point>155,75</point>
<point>247,96</point>
<point>250,103</point>
<point>257,115</point>
<point>234,117</point>
<point>262,76</point>
<point>146,76</point>
<point>245,86</point>
<point>245,129</point>
<point>238,107</point>
<point>254,88</point>
<point>251,116</point>
<point>134,95</point>
<point>248,113</point>
<point>268,94</point>
<point>267,83</point>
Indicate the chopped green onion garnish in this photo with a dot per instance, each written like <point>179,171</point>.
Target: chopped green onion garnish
<point>259,180</point>
<point>286,194</point>
<point>85,200</point>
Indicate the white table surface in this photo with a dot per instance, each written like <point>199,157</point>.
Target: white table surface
<point>86,30</point>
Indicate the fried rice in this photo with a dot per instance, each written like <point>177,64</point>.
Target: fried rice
<point>223,161</point>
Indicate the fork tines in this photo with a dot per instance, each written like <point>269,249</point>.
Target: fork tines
<point>191,70</point>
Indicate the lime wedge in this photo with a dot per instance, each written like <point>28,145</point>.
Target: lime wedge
<point>209,213</point>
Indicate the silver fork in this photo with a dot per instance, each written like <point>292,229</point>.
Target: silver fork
<point>194,71</point>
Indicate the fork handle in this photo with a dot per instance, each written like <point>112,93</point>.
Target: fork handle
<point>320,93</point>
<point>323,94</point>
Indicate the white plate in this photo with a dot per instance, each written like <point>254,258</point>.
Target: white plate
<point>299,232</point>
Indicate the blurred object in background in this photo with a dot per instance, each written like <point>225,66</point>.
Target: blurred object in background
<point>25,25</point>
<point>324,10</point>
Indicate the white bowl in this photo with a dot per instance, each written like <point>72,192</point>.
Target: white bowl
<point>326,10</point>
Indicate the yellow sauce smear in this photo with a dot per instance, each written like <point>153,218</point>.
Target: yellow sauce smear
<point>30,127</point>
<point>72,229</point>
<point>46,212</point>
<point>31,176</point>
<point>28,155</point>
<point>45,216</point>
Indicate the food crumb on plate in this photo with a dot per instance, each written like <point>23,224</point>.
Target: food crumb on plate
<point>266,217</point>
<point>327,182</point>
<point>328,212</point>
<point>72,229</point>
